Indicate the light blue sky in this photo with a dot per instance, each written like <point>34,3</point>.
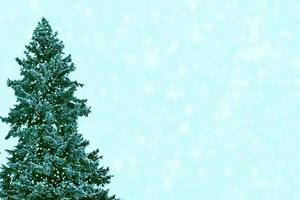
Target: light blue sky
<point>193,100</point>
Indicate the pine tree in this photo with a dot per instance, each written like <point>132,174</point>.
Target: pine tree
<point>49,160</point>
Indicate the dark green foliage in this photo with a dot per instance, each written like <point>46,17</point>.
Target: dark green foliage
<point>49,161</point>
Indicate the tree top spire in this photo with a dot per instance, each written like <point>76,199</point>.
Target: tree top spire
<point>44,44</point>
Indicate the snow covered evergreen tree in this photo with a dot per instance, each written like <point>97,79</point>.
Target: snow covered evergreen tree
<point>49,161</point>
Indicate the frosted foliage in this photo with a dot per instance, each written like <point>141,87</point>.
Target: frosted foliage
<point>50,160</point>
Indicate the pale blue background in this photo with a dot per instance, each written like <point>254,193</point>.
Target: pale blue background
<point>191,100</point>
